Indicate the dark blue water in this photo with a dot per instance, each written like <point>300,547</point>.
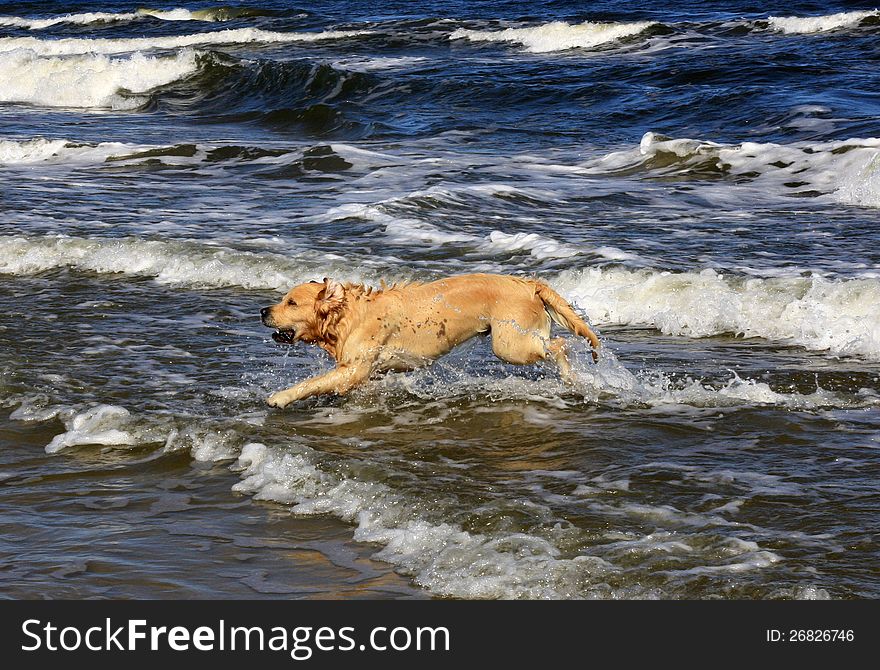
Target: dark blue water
<point>698,178</point>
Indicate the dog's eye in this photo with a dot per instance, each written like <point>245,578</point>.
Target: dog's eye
<point>291,302</point>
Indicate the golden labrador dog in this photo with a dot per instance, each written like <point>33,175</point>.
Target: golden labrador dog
<point>370,331</point>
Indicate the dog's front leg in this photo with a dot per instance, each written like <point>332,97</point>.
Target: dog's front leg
<point>339,381</point>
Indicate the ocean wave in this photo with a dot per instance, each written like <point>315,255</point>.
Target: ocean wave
<point>89,81</point>
<point>498,242</point>
<point>285,163</point>
<point>372,63</point>
<point>68,46</point>
<point>818,24</point>
<point>440,556</point>
<point>306,93</point>
<point>210,14</point>
<point>835,315</point>
<point>558,35</point>
<point>84,18</point>
<point>178,14</point>
<point>64,152</point>
<point>843,170</point>
<point>38,150</point>
<point>446,545</point>
<point>175,263</point>
<point>543,560</point>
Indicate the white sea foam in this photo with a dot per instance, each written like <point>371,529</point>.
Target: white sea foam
<point>658,390</point>
<point>179,263</point>
<point>64,152</point>
<point>181,14</point>
<point>412,230</point>
<point>86,18</point>
<point>860,183</point>
<point>101,424</point>
<point>442,557</point>
<point>820,314</point>
<point>845,171</point>
<point>83,19</point>
<point>537,245</point>
<point>819,24</point>
<point>90,81</point>
<point>68,46</point>
<point>30,151</point>
<point>205,444</point>
<point>371,63</point>
<point>497,242</point>
<point>407,230</point>
<point>35,408</point>
<point>558,35</point>
<point>837,315</point>
<point>39,150</point>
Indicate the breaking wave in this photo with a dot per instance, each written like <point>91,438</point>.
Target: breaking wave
<point>844,170</point>
<point>68,46</point>
<point>89,81</point>
<point>558,35</point>
<point>835,315</point>
<point>87,18</point>
<point>451,547</point>
<point>819,24</point>
<point>302,93</point>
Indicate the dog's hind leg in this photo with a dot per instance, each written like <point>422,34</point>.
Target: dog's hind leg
<point>523,347</point>
<point>518,345</point>
<point>558,350</point>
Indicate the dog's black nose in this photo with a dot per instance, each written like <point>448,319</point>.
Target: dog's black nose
<point>264,313</point>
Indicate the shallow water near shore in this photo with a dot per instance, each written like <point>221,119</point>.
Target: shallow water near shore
<point>699,181</point>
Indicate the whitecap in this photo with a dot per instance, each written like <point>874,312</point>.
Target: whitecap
<point>89,81</point>
<point>818,24</point>
<point>70,45</point>
<point>558,35</point>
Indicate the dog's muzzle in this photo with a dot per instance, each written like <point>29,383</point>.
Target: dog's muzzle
<point>284,336</point>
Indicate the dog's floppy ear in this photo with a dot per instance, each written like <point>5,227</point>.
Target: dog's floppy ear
<point>330,297</point>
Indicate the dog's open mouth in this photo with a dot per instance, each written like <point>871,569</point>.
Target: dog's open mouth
<point>284,336</point>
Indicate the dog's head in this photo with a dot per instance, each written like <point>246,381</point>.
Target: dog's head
<point>306,312</point>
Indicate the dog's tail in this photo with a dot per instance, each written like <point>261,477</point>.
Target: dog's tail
<point>562,313</point>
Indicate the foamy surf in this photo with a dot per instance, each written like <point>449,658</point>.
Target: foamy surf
<point>209,14</point>
<point>59,152</point>
<point>84,18</point>
<point>417,535</point>
<point>802,25</point>
<point>87,18</point>
<point>835,315</point>
<point>68,46</point>
<point>845,170</point>
<point>552,561</point>
<point>175,263</point>
<point>496,243</point>
<point>558,35</point>
<point>89,81</point>
<point>442,557</point>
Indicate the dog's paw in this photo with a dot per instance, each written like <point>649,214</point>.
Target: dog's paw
<point>278,400</point>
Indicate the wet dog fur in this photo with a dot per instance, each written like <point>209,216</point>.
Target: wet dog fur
<point>368,331</point>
